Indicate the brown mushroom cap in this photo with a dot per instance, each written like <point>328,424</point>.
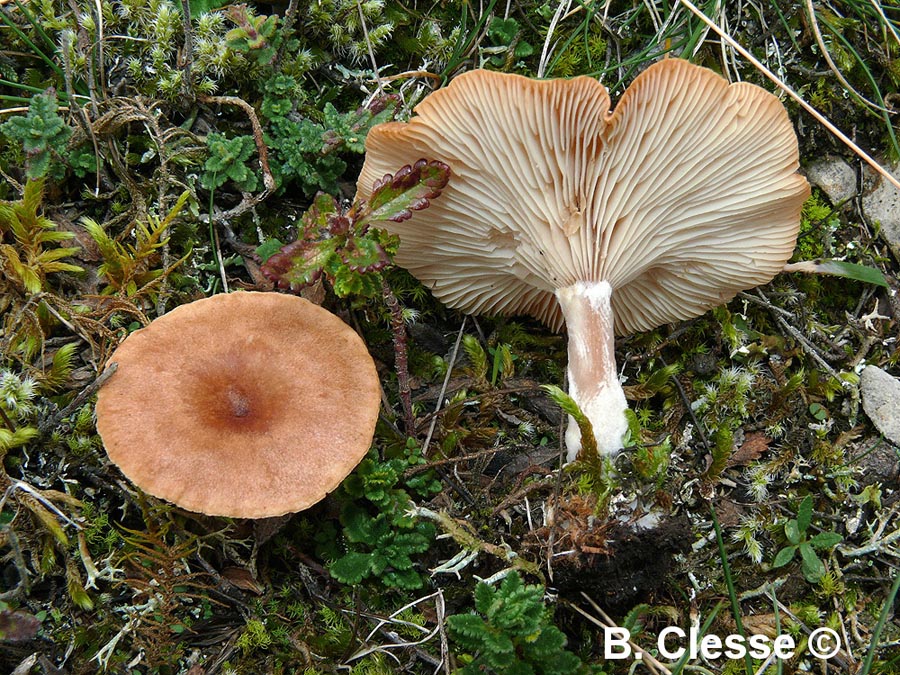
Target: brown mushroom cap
<point>247,405</point>
<point>684,195</point>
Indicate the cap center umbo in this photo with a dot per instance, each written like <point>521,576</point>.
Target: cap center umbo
<point>239,407</point>
<point>231,400</point>
<point>237,402</point>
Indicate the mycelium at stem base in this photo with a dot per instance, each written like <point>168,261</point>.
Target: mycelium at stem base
<point>593,381</point>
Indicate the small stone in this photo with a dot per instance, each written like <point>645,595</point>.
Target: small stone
<point>881,204</point>
<point>881,401</point>
<point>834,177</point>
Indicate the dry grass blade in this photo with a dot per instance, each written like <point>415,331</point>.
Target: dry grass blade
<point>862,154</point>
<point>823,48</point>
<point>561,9</point>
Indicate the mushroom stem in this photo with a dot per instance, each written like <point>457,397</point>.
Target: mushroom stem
<point>593,380</point>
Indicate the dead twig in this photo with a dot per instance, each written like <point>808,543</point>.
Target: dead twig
<point>652,664</point>
<point>248,200</point>
<point>440,401</point>
<point>46,425</point>
<point>401,365</point>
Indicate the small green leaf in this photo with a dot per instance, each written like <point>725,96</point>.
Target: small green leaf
<point>818,411</point>
<point>503,31</point>
<point>467,630</point>
<point>364,255</point>
<point>226,161</point>
<point>408,580</point>
<point>792,531</point>
<point>813,569</point>
<point>523,49</point>
<point>352,568</point>
<point>804,513</point>
<point>40,132</point>
<point>840,268</point>
<point>484,596</point>
<point>395,197</point>
<point>299,264</point>
<point>268,248</point>
<point>826,540</point>
<point>358,525</point>
<point>784,556</point>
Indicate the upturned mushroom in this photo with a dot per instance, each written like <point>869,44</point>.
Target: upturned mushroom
<point>247,405</point>
<point>612,222</point>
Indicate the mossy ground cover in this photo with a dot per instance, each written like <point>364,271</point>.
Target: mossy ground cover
<point>157,152</point>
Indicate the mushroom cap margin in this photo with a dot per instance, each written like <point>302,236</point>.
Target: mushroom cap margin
<point>685,194</point>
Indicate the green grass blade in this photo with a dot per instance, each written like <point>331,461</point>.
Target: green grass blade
<point>729,583</point>
<point>36,25</point>
<point>466,42</point>
<point>24,87</point>
<point>879,99</point>
<point>839,268</point>
<point>779,666</point>
<point>46,59</point>
<point>682,662</point>
<point>879,627</point>
<point>15,99</point>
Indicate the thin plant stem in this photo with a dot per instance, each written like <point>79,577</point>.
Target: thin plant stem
<point>401,359</point>
<point>729,583</point>
<point>24,38</point>
<point>794,95</point>
<point>886,610</point>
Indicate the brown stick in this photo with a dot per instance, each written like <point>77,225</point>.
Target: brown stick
<point>249,201</point>
<point>401,361</point>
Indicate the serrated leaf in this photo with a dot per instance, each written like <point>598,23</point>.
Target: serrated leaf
<point>484,596</point>
<point>411,542</point>
<point>500,647</point>
<point>351,568</point>
<point>358,525</point>
<point>408,580</point>
<point>826,540</point>
<point>379,562</point>
<point>468,630</point>
<point>804,514</point>
<point>503,30</point>
<point>364,255</point>
<point>315,219</point>
<point>546,641</point>
<point>395,197</point>
<point>299,264</point>
<point>268,248</point>
<point>347,282</point>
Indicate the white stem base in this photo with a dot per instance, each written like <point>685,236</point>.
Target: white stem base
<point>593,379</point>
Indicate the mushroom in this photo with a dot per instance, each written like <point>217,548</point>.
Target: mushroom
<point>247,405</point>
<point>610,221</point>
